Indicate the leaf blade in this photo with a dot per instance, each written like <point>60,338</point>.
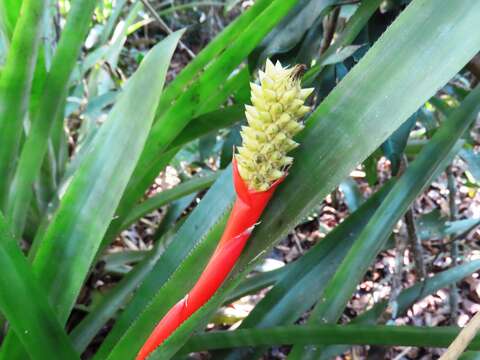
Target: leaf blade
<point>36,324</point>
<point>88,205</point>
<point>15,85</point>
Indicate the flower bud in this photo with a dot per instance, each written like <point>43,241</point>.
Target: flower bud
<point>278,105</point>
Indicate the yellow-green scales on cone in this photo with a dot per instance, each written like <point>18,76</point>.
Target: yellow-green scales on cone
<point>273,120</point>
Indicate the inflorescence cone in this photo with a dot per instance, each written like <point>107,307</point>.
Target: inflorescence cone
<point>273,120</point>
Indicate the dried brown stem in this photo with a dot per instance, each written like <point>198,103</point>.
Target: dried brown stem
<point>329,29</point>
<point>452,194</point>
<point>165,27</point>
<point>415,243</point>
<point>474,67</point>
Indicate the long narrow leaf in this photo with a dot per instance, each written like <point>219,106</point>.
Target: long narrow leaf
<point>355,24</point>
<point>418,175</point>
<point>111,303</point>
<point>9,11</point>
<point>407,298</point>
<point>26,306</point>
<point>208,54</point>
<point>289,298</point>
<point>198,233</point>
<point>49,111</point>
<point>212,120</point>
<point>329,335</point>
<point>87,207</point>
<point>15,85</point>
<point>164,197</point>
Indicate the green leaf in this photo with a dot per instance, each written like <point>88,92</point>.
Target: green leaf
<point>34,322</point>
<point>473,161</point>
<point>15,85</point>
<point>179,85</point>
<point>190,5</point>
<point>351,193</point>
<point>354,25</point>
<point>119,263</point>
<point>193,185</point>
<point>232,140</point>
<point>394,146</point>
<point>470,355</point>
<point>291,29</point>
<point>305,279</point>
<point>256,283</point>
<point>101,80</point>
<point>329,335</point>
<point>407,298</point>
<point>88,205</point>
<point>418,175</point>
<point>209,123</point>
<point>112,20</point>
<point>203,125</point>
<point>115,299</point>
<point>199,233</point>
<point>10,10</point>
<point>432,226</point>
<point>195,100</point>
<point>207,93</point>
<point>49,110</point>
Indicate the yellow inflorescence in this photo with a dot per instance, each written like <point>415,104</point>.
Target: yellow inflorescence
<point>278,104</point>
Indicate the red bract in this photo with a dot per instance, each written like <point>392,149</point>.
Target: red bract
<point>246,211</point>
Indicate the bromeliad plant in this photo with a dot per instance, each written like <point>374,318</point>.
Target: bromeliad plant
<point>65,197</point>
<point>258,169</point>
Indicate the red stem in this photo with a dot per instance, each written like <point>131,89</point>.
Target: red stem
<point>246,211</point>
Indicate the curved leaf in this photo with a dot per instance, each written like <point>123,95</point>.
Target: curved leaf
<point>163,198</point>
<point>47,113</point>
<point>329,335</point>
<point>15,85</point>
<point>34,322</point>
<point>199,232</point>
<point>432,159</point>
<point>89,203</point>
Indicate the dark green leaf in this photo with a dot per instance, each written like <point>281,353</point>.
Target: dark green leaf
<point>390,75</point>
<point>394,146</point>
<point>418,175</point>
<point>331,334</point>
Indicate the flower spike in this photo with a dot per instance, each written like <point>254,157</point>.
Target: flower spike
<point>278,104</point>
<point>258,168</point>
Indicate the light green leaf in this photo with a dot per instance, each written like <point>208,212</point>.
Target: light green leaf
<point>47,113</point>
<point>15,85</point>
<point>111,303</point>
<point>88,206</point>
<point>34,322</point>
